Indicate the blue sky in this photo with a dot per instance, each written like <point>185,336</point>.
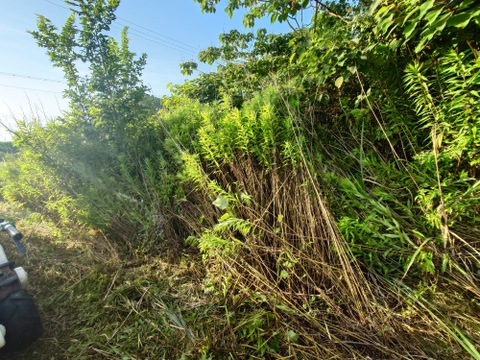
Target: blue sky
<point>168,31</point>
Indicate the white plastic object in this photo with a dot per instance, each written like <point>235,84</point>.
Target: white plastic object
<point>22,275</point>
<point>3,256</point>
<point>3,332</point>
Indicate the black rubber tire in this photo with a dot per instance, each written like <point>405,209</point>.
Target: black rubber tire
<point>19,315</point>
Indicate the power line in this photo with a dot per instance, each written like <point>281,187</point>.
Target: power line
<point>31,89</point>
<point>31,77</point>
<point>51,2</point>
<point>157,33</point>
<point>157,39</point>
<point>154,37</point>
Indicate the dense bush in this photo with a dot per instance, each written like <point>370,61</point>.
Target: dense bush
<point>328,177</point>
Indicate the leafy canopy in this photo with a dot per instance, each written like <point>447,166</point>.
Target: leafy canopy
<point>277,10</point>
<point>111,97</point>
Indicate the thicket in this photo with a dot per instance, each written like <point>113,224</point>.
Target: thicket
<point>328,177</point>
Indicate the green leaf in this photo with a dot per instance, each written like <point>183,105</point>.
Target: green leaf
<point>374,6</point>
<point>409,30</point>
<point>430,31</point>
<point>284,274</point>
<point>445,261</point>
<point>384,9</point>
<point>426,6</point>
<point>221,202</point>
<point>339,82</point>
<point>284,308</point>
<point>460,20</point>
<point>432,15</point>
<point>409,15</point>
<point>385,24</point>
<point>292,336</point>
<point>441,22</point>
<point>225,216</point>
<point>273,17</point>
<point>414,256</point>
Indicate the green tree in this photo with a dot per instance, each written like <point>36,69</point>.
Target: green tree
<point>111,100</point>
<point>246,62</point>
<point>279,10</point>
<point>106,148</point>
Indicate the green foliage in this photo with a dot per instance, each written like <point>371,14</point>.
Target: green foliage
<point>257,130</point>
<point>6,148</point>
<point>427,25</point>
<point>424,154</point>
<point>246,61</point>
<point>375,111</point>
<point>278,10</point>
<point>329,52</point>
<point>107,159</point>
<point>375,230</point>
<point>451,115</point>
<point>26,180</point>
<point>110,100</point>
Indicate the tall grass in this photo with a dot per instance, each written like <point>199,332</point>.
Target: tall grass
<point>299,255</point>
<point>273,251</point>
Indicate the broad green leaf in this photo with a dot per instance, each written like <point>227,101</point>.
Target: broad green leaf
<point>465,4</point>
<point>410,30</point>
<point>384,9</point>
<point>460,20</point>
<point>441,22</point>
<point>221,202</point>
<point>432,15</point>
<point>273,17</point>
<point>292,336</point>
<point>385,24</point>
<point>374,6</point>
<point>430,31</point>
<point>339,82</point>
<point>284,274</point>
<point>425,7</point>
<point>409,15</point>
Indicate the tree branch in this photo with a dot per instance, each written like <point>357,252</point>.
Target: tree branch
<point>331,12</point>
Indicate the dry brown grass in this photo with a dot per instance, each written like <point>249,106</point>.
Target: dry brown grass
<point>295,271</point>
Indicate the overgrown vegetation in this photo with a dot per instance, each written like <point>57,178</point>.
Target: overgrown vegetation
<point>316,197</point>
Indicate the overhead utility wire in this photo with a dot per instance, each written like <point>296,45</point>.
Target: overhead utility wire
<point>25,88</point>
<point>31,77</point>
<point>158,40</point>
<point>157,33</point>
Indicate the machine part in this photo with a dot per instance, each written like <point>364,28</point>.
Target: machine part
<point>19,315</point>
